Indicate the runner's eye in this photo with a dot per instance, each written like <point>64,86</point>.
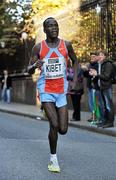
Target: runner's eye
<point>52,25</point>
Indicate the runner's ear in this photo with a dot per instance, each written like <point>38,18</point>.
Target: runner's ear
<point>44,30</point>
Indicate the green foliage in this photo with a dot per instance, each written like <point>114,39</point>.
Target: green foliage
<point>12,22</point>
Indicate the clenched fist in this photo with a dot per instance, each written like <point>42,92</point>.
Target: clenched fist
<point>37,64</point>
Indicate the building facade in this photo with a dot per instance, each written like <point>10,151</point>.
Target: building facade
<point>99,22</point>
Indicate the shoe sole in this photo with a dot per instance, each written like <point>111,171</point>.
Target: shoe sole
<point>53,169</point>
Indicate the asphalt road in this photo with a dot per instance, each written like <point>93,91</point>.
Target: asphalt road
<point>24,152</point>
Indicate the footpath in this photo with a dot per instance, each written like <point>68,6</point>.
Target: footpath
<point>33,111</point>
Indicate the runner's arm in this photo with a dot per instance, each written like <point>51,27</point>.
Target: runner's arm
<point>75,63</point>
<point>34,60</point>
<point>71,52</point>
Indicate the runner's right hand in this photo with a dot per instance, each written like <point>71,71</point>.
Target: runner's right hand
<point>39,63</point>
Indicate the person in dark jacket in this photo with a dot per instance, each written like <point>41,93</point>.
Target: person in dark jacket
<point>75,90</point>
<point>94,95</point>
<point>104,76</point>
<point>6,82</point>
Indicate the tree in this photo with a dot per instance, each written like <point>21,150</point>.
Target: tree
<point>13,14</point>
<point>40,9</point>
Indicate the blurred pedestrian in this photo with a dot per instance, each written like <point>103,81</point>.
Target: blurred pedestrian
<point>6,87</point>
<point>51,56</point>
<point>104,76</point>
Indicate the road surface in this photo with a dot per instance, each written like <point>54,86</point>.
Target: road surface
<point>24,152</point>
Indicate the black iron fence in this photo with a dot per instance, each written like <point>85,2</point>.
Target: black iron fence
<point>103,22</point>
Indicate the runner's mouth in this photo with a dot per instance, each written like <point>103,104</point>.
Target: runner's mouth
<point>54,32</point>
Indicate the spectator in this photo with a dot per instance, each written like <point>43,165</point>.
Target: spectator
<point>94,95</point>
<point>6,87</point>
<point>76,90</point>
<point>104,76</point>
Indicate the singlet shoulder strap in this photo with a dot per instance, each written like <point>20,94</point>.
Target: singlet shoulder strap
<point>44,49</point>
<point>63,45</point>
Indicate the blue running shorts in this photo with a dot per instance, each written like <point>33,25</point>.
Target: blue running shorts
<point>59,99</point>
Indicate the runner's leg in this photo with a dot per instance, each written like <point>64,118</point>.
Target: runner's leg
<point>51,113</point>
<point>63,119</point>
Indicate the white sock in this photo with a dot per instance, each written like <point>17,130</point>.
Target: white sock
<point>53,158</point>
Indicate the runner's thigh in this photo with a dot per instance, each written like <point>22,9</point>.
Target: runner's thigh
<point>51,113</point>
<point>63,118</point>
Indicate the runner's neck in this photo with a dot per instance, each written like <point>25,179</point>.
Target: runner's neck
<point>52,43</point>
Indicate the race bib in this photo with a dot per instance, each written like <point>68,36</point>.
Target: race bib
<point>54,67</point>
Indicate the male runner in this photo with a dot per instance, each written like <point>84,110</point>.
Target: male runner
<point>51,56</point>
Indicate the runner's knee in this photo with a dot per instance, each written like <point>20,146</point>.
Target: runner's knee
<point>63,130</point>
<point>54,126</point>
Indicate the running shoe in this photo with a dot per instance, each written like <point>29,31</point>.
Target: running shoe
<point>53,168</point>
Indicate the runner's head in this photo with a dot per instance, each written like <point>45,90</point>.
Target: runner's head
<point>51,27</point>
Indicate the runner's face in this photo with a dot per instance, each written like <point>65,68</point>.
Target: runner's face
<point>51,28</point>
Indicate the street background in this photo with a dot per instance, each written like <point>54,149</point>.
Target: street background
<point>35,112</point>
<point>86,152</point>
<point>24,152</point>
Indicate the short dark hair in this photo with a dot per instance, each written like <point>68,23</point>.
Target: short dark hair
<point>96,53</point>
<point>104,52</point>
<point>45,22</point>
